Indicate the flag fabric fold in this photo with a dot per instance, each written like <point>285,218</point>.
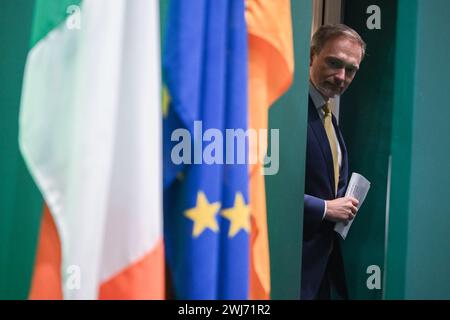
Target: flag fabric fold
<point>90,136</point>
<point>206,209</point>
<point>271,68</point>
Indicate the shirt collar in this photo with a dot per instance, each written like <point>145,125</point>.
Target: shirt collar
<point>316,97</point>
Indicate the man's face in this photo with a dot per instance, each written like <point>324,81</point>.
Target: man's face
<point>333,69</point>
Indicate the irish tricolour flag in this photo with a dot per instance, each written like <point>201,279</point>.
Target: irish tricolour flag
<point>90,135</point>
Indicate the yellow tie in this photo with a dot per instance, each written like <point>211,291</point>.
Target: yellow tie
<point>331,134</point>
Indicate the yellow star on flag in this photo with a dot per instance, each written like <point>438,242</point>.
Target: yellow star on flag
<point>203,215</point>
<point>239,216</point>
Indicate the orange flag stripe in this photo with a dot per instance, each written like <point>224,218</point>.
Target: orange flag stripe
<point>143,279</point>
<point>46,283</point>
<point>271,68</point>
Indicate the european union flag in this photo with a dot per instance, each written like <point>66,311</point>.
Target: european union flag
<point>207,217</point>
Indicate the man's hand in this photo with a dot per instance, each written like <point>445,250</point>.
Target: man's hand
<point>341,209</point>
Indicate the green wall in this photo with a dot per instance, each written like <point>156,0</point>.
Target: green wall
<point>396,106</point>
<point>418,234</point>
<point>366,121</point>
<point>285,190</point>
<point>20,201</point>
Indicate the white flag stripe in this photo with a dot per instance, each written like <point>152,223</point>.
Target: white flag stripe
<point>135,188</point>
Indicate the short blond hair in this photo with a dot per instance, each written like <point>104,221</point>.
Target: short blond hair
<point>330,31</point>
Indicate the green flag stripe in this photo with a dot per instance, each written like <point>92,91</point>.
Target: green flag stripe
<point>48,14</point>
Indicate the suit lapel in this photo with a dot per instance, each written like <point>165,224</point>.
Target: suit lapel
<point>344,167</point>
<point>321,136</point>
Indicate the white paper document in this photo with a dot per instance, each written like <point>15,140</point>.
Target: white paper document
<point>358,188</point>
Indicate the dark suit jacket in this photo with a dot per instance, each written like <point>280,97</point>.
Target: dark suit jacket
<point>318,235</point>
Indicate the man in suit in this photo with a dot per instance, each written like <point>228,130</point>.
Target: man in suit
<point>336,53</point>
